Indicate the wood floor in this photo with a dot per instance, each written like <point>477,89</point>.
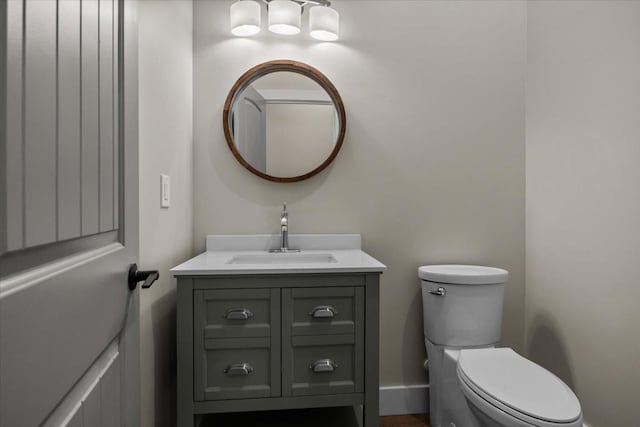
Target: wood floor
<point>313,417</point>
<point>405,421</point>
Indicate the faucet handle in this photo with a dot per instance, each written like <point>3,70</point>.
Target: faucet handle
<point>284,209</point>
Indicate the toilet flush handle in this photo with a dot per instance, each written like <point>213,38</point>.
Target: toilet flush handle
<point>438,292</point>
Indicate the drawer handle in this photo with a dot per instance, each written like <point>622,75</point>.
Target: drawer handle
<point>238,314</point>
<point>238,369</point>
<point>323,311</point>
<point>323,365</point>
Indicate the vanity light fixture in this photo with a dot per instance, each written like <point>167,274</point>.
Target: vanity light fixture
<point>245,18</point>
<point>285,18</point>
<point>323,23</point>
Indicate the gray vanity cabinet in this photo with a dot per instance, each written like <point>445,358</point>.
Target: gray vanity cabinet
<point>248,343</point>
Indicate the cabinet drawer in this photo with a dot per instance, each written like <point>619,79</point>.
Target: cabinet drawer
<point>328,364</point>
<point>319,311</point>
<point>238,313</point>
<point>236,368</point>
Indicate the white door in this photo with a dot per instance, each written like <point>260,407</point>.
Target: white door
<point>68,213</point>
<point>250,128</point>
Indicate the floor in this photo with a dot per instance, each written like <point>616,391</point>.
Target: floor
<point>320,417</point>
<point>405,421</point>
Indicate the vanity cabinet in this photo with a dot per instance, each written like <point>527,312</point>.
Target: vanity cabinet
<point>277,341</point>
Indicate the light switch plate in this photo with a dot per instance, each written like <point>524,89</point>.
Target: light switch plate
<point>165,191</point>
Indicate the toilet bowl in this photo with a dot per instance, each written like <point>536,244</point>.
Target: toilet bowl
<point>510,390</point>
<point>473,383</point>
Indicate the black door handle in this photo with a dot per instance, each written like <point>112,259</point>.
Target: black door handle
<point>136,276</point>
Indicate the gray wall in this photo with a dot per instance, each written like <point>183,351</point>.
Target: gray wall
<point>165,37</point>
<point>583,201</point>
<point>432,168</point>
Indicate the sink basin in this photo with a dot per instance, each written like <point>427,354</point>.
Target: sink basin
<point>282,258</point>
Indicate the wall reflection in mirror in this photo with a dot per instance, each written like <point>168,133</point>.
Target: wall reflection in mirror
<point>284,124</point>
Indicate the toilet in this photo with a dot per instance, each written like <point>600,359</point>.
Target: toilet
<point>472,382</point>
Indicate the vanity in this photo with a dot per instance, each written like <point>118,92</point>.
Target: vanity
<point>263,331</point>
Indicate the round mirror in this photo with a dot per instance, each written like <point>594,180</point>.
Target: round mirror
<point>284,121</point>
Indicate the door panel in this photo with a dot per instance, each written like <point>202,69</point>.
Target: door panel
<point>109,395</point>
<point>107,160</point>
<point>61,155</point>
<point>76,421</point>
<point>90,160</point>
<point>91,408</point>
<point>13,215</point>
<point>69,225</point>
<point>117,108</point>
<point>103,380</point>
<point>68,213</point>
<point>64,322</point>
<point>39,123</point>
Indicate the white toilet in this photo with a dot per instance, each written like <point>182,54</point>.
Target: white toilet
<point>472,383</point>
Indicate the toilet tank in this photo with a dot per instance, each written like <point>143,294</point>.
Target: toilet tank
<point>462,305</point>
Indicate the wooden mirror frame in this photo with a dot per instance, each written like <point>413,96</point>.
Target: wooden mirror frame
<point>295,67</point>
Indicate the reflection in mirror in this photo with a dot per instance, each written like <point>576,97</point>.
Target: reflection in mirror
<point>284,124</point>
<point>284,121</point>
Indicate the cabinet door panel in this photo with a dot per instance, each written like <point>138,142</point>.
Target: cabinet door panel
<point>233,313</point>
<point>236,368</point>
<point>319,311</point>
<point>323,365</point>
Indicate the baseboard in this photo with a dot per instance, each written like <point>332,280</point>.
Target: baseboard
<point>404,399</point>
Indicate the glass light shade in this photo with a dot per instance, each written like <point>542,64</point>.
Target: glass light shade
<point>285,17</point>
<point>324,23</point>
<point>245,18</point>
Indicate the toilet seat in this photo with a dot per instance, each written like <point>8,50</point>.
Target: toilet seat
<point>505,385</point>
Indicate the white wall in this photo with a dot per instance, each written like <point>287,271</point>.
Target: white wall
<point>165,84</point>
<point>432,168</point>
<point>431,172</point>
<point>304,132</point>
<point>583,201</point>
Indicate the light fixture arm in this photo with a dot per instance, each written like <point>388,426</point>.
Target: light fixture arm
<point>303,3</point>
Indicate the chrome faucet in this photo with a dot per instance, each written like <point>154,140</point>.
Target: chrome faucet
<point>284,231</point>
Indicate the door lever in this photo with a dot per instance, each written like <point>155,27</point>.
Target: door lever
<point>136,276</point>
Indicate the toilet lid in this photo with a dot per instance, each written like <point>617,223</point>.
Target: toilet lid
<point>463,274</point>
<point>504,376</point>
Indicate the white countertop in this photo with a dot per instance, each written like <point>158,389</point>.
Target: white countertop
<point>217,262</point>
<point>349,258</point>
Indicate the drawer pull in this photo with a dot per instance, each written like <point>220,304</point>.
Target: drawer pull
<point>323,365</point>
<point>323,311</point>
<point>238,369</point>
<point>238,314</point>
